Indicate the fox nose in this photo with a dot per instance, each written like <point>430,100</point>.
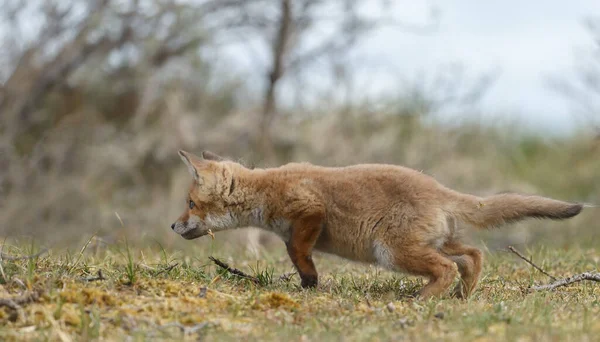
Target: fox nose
<point>173,226</point>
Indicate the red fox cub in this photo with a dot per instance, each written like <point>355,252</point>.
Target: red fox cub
<point>390,215</point>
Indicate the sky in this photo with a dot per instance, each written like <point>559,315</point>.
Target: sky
<point>525,43</point>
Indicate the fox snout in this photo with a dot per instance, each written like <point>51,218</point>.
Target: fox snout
<point>189,229</point>
<point>180,227</point>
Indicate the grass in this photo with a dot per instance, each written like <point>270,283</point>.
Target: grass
<point>156,293</point>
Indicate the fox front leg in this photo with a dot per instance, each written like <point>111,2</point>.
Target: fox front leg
<point>304,235</point>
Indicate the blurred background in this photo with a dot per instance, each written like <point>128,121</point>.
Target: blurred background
<point>97,96</point>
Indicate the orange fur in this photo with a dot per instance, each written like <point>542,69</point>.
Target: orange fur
<point>390,215</point>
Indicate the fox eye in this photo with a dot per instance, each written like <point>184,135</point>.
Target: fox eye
<point>192,204</point>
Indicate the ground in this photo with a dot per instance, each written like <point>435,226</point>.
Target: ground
<point>150,293</point>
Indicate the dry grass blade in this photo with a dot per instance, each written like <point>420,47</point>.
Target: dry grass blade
<point>120,220</point>
<point>81,252</point>
<point>234,271</point>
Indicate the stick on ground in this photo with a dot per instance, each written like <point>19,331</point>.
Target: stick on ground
<point>233,270</point>
<point>593,276</point>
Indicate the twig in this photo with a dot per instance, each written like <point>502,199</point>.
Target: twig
<point>186,330</point>
<point>10,303</point>
<point>167,269</point>
<point>27,298</point>
<point>16,302</point>
<point>512,249</point>
<point>287,276</point>
<point>593,276</point>
<point>4,256</point>
<point>367,299</point>
<point>233,270</point>
<point>100,276</point>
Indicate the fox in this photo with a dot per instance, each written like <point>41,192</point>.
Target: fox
<point>388,215</point>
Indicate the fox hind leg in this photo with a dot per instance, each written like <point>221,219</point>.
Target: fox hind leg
<point>469,261</point>
<point>423,261</point>
<point>430,263</point>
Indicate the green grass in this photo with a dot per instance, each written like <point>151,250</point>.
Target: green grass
<point>155,293</point>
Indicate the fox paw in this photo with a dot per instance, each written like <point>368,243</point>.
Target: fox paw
<point>309,281</point>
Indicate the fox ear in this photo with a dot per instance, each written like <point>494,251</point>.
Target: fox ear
<point>211,156</point>
<point>191,161</point>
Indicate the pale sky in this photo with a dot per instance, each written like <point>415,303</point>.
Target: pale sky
<point>527,42</point>
<point>524,42</point>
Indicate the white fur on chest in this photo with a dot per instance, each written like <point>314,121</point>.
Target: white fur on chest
<point>281,227</point>
<point>383,255</point>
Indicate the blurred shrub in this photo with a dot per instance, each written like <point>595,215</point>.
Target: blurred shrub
<point>93,128</point>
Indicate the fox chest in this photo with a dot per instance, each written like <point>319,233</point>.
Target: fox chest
<point>281,227</point>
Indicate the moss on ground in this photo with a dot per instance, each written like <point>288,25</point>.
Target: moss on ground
<point>190,298</point>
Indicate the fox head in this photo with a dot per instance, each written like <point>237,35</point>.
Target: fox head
<point>206,205</point>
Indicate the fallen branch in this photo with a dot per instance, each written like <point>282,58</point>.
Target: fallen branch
<point>593,276</point>
<point>512,249</point>
<point>234,271</point>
